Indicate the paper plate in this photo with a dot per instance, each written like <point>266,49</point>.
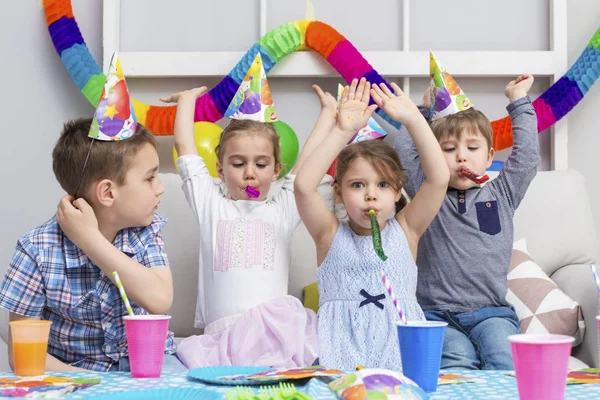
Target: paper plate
<point>215,375</point>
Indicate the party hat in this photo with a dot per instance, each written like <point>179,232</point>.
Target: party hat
<point>372,130</point>
<point>446,96</point>
<point>253,98</point>
<point>114,118</point>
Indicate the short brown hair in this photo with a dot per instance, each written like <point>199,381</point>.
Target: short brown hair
<point>381,156</point>
<point>238,127</point>
<point>107,160</point>
<point>453,125</point>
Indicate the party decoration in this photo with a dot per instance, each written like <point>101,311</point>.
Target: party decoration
<point>376,235</point>
<point>114,118</point>
<point>288,142</point>
<point>376,384</point>
<point>43,386</point>
<point>252,192</point>
<point>286,374</point>
<point>446,96</point>
<point>64,32</point>
<point>206,136</point>
<point>465,172</point>
<point>372,130</point>
<point>253,98</point>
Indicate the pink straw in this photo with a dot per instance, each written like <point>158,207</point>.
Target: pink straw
<point>390,291</point>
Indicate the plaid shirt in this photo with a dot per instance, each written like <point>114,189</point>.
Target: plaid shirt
<point>52,279</point>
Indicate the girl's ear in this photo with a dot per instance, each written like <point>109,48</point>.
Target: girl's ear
<point>278,168</point>
<point>337,192</point>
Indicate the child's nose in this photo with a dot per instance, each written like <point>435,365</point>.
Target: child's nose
<point>249,172</point>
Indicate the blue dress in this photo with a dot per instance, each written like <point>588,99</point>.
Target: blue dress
<point>356,315</point>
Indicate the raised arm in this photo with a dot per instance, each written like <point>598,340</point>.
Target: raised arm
<point>184,120</point>
<point>418,214</point>
<point>320,222</point>
<point>322,128</point>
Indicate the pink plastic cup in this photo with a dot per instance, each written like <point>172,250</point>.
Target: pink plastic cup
<point>541,365</point>
<point>146,338</point>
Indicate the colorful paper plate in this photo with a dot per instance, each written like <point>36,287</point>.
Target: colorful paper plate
<point>215,375</point>
<point>162,394</point>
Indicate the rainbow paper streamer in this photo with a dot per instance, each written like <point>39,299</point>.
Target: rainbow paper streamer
<point>286,39</point>
<point>390,290</point>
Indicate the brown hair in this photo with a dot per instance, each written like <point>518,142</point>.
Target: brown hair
<point>107,160</point>
<point>455,124</point>
<point>238,127</point>
<point>381,156</point>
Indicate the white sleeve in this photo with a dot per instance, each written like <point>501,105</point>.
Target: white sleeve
<point>286,199</point>
<point>199,187</point>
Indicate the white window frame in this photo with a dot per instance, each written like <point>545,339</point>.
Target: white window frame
<point>406,63</point>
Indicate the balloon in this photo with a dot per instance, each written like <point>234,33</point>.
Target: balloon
<point>288,142</point>
<point>206,136</point>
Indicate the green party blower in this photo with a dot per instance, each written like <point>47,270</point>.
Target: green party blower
<point>376,234</point>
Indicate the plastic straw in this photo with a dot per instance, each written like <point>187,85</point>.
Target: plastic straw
<point>123,295</point>
<point>390,291</point>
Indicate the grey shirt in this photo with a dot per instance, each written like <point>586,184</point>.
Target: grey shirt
<point>464,255</point>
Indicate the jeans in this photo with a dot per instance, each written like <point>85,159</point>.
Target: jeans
<point>478,339</point>
<point>170,364</point>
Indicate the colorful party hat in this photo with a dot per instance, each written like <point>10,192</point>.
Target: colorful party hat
<point>253,99</point>
<point>114,118</point>
<point>446,96</point>
<point>372,130</point>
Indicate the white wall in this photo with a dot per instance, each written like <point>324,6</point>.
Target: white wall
<point>584,122</point>
<point>38,95</point>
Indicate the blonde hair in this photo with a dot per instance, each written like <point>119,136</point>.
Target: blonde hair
<point>239,127</point>
<point>455,124</point>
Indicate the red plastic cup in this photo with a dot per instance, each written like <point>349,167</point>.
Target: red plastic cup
<point>146,338</point>
<point>541,365</point>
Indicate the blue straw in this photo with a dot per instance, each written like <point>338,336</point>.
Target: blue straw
<point>593,267</point>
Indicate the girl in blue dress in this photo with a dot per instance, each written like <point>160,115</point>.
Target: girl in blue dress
<point>356,318</point>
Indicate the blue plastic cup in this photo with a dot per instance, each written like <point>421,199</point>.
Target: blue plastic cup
<point>421,351</point>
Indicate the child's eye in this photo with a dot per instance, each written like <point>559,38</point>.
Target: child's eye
<point>261,165</point>
<point>384,184</point>
<point>473,148</point>
<point>237,165</point>
<point>449,149</point>
<point>357,185</point>
<point>151,178</point>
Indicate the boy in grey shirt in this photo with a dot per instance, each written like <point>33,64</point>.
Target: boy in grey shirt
<point>464,256</point>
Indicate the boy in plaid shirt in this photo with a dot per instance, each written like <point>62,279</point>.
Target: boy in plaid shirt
<point>62,271</point>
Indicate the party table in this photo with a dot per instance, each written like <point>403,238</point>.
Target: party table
<point>489,385</point>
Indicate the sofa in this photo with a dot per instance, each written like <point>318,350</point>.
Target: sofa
<point>555,218</point>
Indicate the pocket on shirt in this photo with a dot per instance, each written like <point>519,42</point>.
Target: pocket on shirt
<point>488,217</point>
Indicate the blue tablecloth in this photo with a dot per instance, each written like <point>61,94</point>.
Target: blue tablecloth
<point>490,385</point>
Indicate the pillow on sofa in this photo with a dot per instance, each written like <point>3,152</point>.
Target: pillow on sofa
<point>310,293</point>
<point>540,305</point>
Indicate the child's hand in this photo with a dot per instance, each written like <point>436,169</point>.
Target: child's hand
<point>398,106</point>
<point>192,93</point>
<point>77,220</point>
<point>354,112</point>
<point>328,102</point>
<point>519,87</point>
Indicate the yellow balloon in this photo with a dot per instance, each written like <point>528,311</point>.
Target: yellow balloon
<point>206,136</point>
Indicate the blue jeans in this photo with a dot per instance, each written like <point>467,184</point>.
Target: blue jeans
<point>478,339</point>
<point>170,364</point>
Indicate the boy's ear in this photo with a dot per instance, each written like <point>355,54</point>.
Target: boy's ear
<point>490,157</point>
<point>105,192</point>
